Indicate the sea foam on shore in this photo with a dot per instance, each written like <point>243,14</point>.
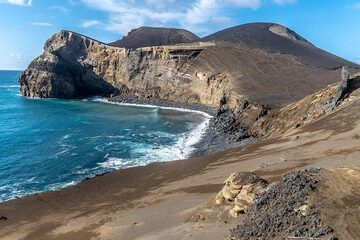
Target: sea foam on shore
<point>181,150</point>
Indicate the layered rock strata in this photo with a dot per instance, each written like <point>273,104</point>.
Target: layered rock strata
<point>239,191</point>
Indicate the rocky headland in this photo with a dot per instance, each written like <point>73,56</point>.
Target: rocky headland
<point>264,84</point>
<point>241,73</point>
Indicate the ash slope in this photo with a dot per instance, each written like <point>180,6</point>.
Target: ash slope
<point>275,38</point>
<point>154,36</point>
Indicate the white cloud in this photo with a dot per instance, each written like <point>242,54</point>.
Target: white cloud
<point>90,23</point>
<point>200,12</point>
<point>18,2</point>
<point>199,16</point>
<point>253,4</point>
<point>124,23</point>
<point>60,8</point>
<point>16,55</point>
<point>356,6</point>
<point>161,4</point>
<point>221,20</point>
<point>125,15</point>
<point>43,24</point>
<point>284,2</point>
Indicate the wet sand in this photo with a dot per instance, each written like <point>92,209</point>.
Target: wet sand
<point>159,201</point>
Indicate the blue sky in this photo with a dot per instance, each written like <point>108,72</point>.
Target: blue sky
<point>26,24</point>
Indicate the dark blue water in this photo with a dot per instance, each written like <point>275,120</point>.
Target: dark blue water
<point>46,144</point>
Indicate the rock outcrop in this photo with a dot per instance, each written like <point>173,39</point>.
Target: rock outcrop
<point>239,192</point>
<point>342,90</point>
<point>245,72</point>
<point>308,109</point>
<point>213,71</point>
<point>285,211</point>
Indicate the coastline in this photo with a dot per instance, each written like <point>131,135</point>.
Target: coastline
<point>200,141</point>
<point>215,138</point>
<point>161,103</point>
<point>187,143</point>
<point>160,200</point>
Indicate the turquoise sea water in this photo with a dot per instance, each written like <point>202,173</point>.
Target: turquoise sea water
<point>46,144</point>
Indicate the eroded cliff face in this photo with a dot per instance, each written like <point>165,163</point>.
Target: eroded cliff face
<point>250,87</point>
<point>210,73</point>
<point>74,66</point>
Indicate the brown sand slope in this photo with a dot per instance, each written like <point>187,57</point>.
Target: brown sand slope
<point>158,201</point>
<point>340,201</point>
<point>154,36</point>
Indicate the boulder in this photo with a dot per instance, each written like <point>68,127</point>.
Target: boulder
<point>239,192</point>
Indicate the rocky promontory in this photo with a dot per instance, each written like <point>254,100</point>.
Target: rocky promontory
<point>222,69</point>
<point>305,110</point>
<point>244,73</point>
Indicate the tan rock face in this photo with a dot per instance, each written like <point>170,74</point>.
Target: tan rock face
<point>74,66</point>
<point>239,192</point>
<point>239,80</point>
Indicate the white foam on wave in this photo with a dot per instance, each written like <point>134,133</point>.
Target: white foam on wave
<point>116,163</point>
<point>9,86</point>
<point>103,100</point>
<point>188,141</point>
<point>183,148</point>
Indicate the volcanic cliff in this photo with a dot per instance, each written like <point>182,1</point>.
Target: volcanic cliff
<point>245,72</point>
<point>261,62</point>
<point>264,80</point>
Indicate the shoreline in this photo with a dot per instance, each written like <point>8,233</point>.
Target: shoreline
<point>162,199</point>
<point>206,113</point>
<point>189,142</point>
<point>161,103</point>
<point>215,138</point>
<point>199,148</point>
<point>165,200</point>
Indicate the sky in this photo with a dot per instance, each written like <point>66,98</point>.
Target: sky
<point>25,25</point>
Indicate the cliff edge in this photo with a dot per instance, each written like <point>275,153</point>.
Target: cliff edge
<point>227,67</point>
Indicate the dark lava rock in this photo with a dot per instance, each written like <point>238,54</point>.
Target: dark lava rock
<point>324,231</point>
<point>282,211</point>
<point>154,36</point>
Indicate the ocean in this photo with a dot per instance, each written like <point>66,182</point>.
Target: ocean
<point>47,144</point>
